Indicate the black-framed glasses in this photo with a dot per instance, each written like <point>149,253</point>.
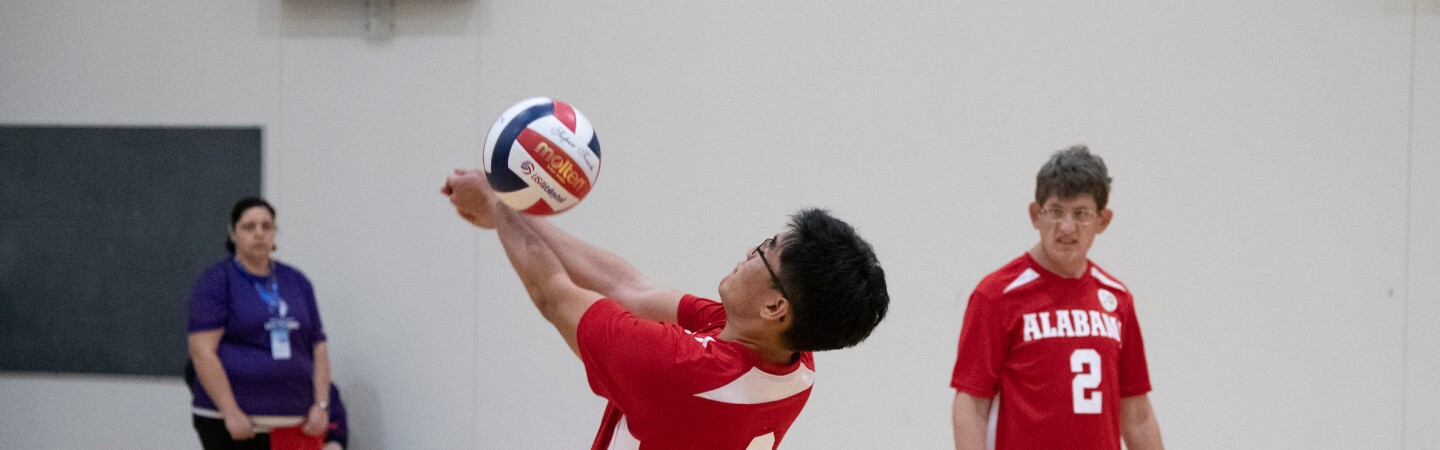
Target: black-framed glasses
<point>770,241</point>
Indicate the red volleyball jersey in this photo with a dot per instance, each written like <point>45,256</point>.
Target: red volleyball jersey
<point>1060,353</point>
<point>680,387</point>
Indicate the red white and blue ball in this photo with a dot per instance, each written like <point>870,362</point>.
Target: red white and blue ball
<point>542,156</point>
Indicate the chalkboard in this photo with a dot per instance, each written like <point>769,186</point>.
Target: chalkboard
<point>103,232</point>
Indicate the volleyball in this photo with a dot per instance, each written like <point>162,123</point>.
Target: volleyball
<point>542,156</point>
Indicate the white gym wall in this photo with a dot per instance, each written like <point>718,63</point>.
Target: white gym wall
<point>1276,164</point>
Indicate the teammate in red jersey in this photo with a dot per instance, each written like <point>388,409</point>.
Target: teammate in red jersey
<point>682,372</point>
<point>1050,350</point>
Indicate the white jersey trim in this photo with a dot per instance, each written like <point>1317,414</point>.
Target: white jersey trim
<point>1095,272</point>
<point>756,386</point>
<point>621,439</point>
<point>1025,277</point>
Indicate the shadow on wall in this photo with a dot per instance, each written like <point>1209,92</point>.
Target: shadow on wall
<point>362,413</point>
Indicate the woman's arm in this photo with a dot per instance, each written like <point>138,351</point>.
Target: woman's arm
<point>203,345</point>
<point>318,419</point>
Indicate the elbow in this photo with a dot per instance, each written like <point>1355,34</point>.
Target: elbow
<point>202,355</point>
<point>1136,412</point>
<point>1137,424</point>
<point>1137,419</point>
<point>202,349</point>
<point>635,286</point>
<point>548,294</point>
<point>542,295</point>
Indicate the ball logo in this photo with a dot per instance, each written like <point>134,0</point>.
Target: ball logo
<point>527,168</point>
<point>562,168</point>
<point>1108,300</point>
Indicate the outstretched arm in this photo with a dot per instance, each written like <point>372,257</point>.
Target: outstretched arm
<point>588,266</point>
<point>607,273</point>
<point>559,300</point>
<point>550,288</point>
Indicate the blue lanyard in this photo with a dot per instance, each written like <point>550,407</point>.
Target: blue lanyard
<point>269,294</point>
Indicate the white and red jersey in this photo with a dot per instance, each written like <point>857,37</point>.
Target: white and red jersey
<point>680,387</point>
<point>1060,352</point>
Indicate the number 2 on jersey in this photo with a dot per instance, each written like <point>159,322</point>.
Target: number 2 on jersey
<point>1085,363</point>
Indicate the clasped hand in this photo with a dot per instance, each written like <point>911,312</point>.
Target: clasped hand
<point>472,196</point>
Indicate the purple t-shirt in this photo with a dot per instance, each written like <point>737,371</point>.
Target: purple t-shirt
<point>226,297</point>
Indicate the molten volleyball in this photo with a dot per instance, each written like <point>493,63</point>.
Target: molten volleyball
<point>542,156</point>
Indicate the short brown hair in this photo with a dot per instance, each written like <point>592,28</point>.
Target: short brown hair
<point>1072,172</point>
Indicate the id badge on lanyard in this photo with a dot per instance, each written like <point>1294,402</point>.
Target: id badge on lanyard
<point>279,325</point>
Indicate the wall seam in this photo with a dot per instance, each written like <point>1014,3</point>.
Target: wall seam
<point>1409,225</point>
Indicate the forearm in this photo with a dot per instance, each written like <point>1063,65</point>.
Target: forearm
<point>606,273</point>
<point>539,251</point>
<point>214,381</point>
<point>1143,436</point>
<point>590,267</point>
<point>322,373</point>
<point>970,416</point>
<point>550,287</point>
<point>1138,425</point>
<point>531,257</point>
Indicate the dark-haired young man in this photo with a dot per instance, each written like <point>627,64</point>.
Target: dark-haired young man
<point>1050,348</point>
<point>682,372</point>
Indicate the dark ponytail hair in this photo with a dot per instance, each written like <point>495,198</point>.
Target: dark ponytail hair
<point>238,210</point>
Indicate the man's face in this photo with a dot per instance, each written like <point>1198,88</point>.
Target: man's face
<point>752,283</point>
<point>1067,228</point>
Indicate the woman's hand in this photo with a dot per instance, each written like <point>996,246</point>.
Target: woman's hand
<point>239,427</point>
<point>317,421</point>
<point>470,192</point>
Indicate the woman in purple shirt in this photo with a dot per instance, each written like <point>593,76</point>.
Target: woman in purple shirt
<point>257,343</point>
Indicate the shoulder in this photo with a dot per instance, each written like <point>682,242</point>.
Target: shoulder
<point>603,310</point>
<point>1013,275</point>
<point>700,314</point>
<point>1106,279</point>
<point>210,288</point>
<point>281,267</point>
<point>216,272</point>
<point>289,271</point>
<point>607,321</point>
<point>1113,294</point>
<point>610,338</point>
<point>223,266</point>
